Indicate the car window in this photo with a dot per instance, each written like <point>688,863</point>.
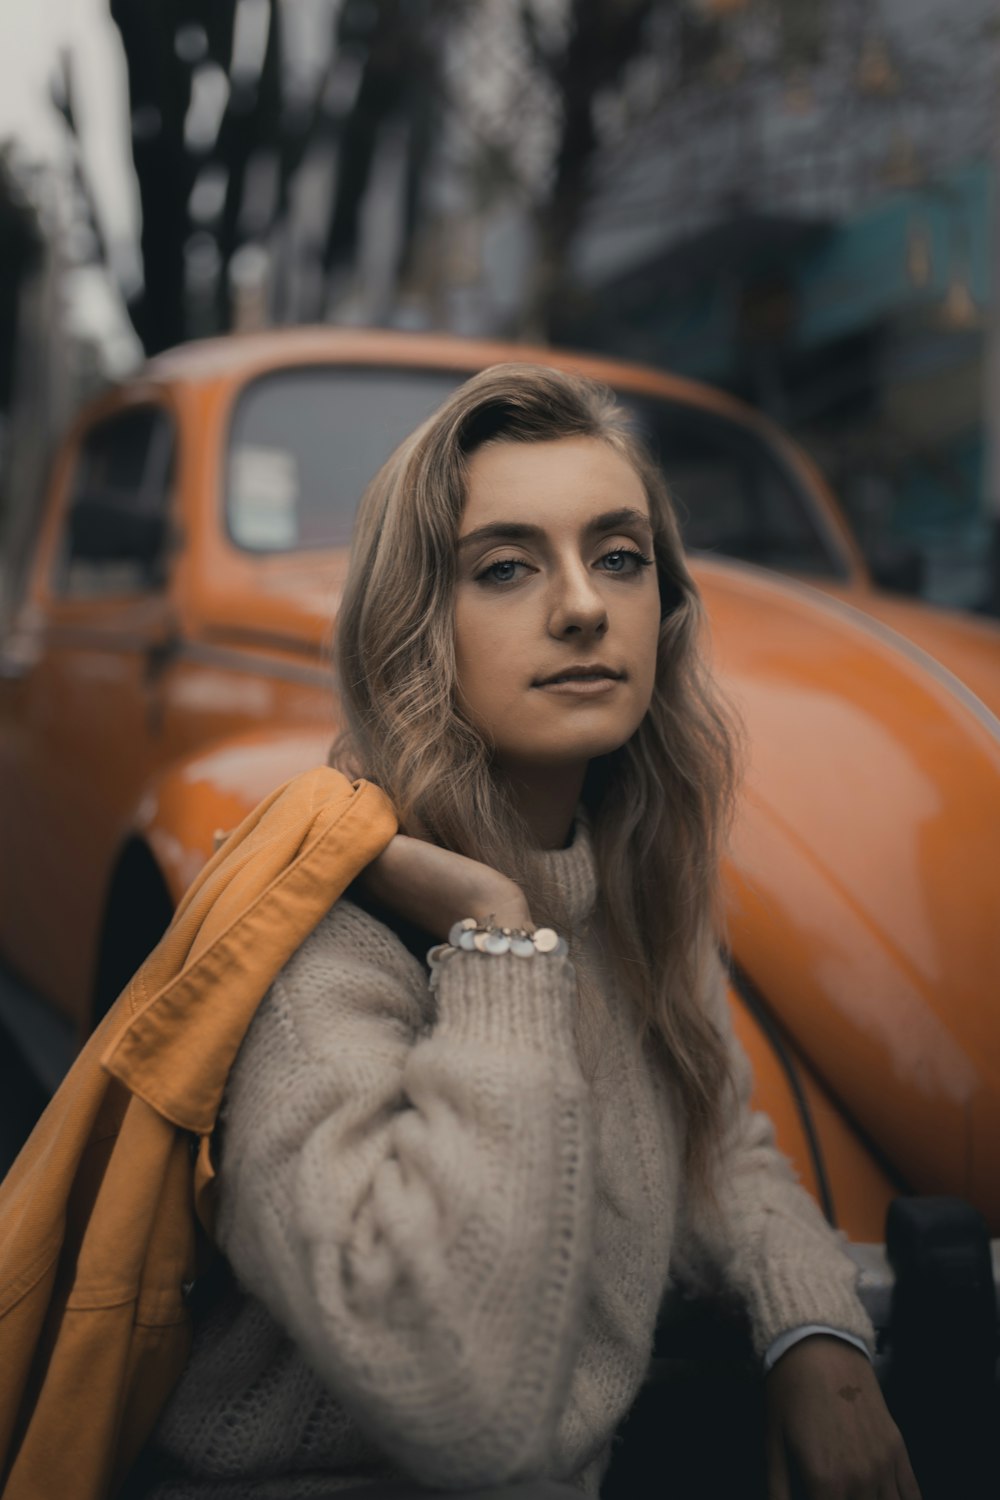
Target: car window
<point>732,493</point>
<point>305,442</point>
<point>115,540</point>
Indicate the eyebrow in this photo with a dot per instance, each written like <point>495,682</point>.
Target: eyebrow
<point>518,531</point>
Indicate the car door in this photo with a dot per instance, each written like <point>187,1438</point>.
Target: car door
<point>81,694</point>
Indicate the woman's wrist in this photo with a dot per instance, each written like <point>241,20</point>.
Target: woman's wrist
<point>504,906</point>
<point>434,888</point>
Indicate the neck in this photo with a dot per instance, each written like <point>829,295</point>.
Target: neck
<point>547,798</point>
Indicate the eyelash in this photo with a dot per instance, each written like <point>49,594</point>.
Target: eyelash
<point>641,559</point>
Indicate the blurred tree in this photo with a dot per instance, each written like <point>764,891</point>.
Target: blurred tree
<point>217,140</point>
<point>160,94</point>
<point>588,89</point>
<point>610,69</point>
<point>217,143</point>
<point>254,122</point>
<point>397,46</point>
<point>182,57</point>
<point>602,38</point>
<point>555,105</point>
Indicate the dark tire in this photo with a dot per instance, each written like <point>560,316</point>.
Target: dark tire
<point>138,914</point>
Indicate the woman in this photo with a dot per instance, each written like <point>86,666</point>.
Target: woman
<point>453,1207</point>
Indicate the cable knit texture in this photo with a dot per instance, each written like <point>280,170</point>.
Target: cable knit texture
<point>451,1239</point>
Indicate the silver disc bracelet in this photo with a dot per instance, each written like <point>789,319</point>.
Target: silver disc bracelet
<point>471,936</point>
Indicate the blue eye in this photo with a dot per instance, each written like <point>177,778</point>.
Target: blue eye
<point>492,574</point>
<point>626,560</point>
<point>623,562</point>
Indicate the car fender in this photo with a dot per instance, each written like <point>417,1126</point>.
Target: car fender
<point>833,1161</point>
<point>863,883</point>
<point>185,811</point>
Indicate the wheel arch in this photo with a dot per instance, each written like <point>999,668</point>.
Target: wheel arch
<point>137,912</point>
<point>174,831</point>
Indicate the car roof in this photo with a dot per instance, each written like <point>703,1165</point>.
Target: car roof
<point>241,356</point>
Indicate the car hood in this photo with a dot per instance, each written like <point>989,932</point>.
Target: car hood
<point>864,880</point>
<point>966,645</point>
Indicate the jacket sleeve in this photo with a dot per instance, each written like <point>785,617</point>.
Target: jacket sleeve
<point>408,1188</point>
<point>767,1243</point>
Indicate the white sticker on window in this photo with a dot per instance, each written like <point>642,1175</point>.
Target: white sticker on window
<point>263,497</point>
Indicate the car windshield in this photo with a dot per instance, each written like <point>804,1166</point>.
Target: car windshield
<point>305,442</point>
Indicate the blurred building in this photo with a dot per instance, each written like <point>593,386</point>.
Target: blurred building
<point>824,243</point>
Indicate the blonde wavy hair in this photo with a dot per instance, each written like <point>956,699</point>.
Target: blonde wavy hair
<point>659,807</point>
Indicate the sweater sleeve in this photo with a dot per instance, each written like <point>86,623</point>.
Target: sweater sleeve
<point>409,1191</point>
<point>768,1244</point>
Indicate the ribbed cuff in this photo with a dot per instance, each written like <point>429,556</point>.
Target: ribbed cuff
<point>501,999</point>
<point>804,1289</point>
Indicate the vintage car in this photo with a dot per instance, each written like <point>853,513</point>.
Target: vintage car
<point>167,664</point>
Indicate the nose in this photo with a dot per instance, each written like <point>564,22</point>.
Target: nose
<point>577,605</point>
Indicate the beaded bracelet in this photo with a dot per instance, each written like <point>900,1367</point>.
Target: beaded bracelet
<point>469,935</point>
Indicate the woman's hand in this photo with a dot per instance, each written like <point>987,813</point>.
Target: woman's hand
<point>434,887</point>
<point>829,1432</point>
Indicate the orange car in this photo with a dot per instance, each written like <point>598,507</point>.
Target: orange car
<point>167,665</point>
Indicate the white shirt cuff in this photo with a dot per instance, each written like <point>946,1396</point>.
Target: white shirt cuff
<point>784,1341</point>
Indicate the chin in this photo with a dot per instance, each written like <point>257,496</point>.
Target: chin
<point>567,744</point>
<point>566,753</point>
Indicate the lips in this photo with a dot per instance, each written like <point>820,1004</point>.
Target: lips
<point>581,673</point>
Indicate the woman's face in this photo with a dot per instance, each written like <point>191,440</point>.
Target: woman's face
<point>555,578</point>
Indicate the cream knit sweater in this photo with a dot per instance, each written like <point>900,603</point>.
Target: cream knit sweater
<point>452,1240</point>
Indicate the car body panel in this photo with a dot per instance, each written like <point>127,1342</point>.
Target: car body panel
<point>887,916</point>
<point>858,1183</point>
<point>965,645</point>
<point>200,800</point>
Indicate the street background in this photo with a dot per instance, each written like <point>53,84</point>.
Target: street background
<point>794,199</point>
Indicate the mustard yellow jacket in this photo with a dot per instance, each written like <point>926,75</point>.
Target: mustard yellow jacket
<point>100,1214</point>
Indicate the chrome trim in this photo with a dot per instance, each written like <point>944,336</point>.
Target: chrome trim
<point>232,658</point>
<point>238,659</point>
